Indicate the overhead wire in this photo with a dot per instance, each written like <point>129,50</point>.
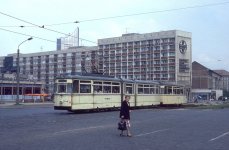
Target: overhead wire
<point>128,15</point>
<point>103,18</point>
<point>27,35</point>
<point>43,27</point>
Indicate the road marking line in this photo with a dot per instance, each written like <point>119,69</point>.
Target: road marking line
<point>218,137</point>
<point>79,129</point>
<point>143,134</point>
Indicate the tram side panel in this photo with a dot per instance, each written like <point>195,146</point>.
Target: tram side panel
<point>147,100</point>
<point>173,99</point>
<point>106,100</point>
<point>95,101</point>
<point>82,102</point>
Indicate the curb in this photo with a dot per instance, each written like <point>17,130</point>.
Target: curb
<point>13,105</point>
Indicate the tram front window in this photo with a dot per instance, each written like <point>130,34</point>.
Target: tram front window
<point>62,88</point>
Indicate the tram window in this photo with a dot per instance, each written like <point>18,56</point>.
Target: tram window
<point>69,88</point>
<point>140,89</point>
<point>98,89</point>
<point>175,91</point>
<point>85,88</point>
<point>167,90</point>
<point>129,89</point>
<point>152,90</point>
<point>170,91</point>
<point>157,90</point>
<point>146,90</point>
<point>75,88</point>
<point>106,89</point>
<point>162,90</point>
<point>178,91</point>
<point>62,88</point>
<point>115,89</point>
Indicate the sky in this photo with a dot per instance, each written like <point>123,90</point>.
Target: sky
<point>209,25</point>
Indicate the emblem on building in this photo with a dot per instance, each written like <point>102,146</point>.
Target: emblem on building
<point>182,46</point>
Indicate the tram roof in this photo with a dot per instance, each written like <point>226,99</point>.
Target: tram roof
<point>170,83</point>
<point>89,76</point>
<point>147,82</point>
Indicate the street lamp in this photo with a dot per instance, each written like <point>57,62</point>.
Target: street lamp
<point>18,80</point>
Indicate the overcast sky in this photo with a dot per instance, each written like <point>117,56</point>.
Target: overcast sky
<point>209,25</point>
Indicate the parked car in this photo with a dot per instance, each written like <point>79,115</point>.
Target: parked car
<point>223,98</point>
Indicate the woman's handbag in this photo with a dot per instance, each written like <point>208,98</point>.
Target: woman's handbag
<point>122,125</point>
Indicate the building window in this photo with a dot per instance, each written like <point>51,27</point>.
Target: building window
<point>171,53</point>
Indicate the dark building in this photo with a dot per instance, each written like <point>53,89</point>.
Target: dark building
<point>206,83</point>
<point>225,81</point>
<point>8,65</point>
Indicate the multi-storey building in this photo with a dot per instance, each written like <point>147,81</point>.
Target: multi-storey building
<point>72,40</point>
<point>45,66</point>
<point>225,79</point>
<point>206,83</point>
<point>164,56</point>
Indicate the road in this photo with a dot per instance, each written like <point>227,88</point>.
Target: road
<point>42,128</point>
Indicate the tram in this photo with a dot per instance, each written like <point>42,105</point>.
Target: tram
<point>88,92</point>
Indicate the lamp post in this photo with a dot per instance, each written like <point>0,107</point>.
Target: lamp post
<point>18,72</point>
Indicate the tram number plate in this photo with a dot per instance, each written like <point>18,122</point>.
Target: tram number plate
<point>107,98</point>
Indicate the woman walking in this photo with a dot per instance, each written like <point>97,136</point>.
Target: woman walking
<point>125,114</point>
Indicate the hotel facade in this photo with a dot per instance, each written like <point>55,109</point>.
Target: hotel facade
<point>162,56</point>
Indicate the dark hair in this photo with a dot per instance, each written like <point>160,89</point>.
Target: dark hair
<point>127,96</point>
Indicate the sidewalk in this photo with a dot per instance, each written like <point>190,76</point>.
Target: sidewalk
<point>208,102</point>
<point>13,104</point>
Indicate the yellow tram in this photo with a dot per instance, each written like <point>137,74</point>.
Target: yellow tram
<point>88,92</point>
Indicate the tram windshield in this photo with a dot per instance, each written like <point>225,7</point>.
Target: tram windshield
<point>63,88</point>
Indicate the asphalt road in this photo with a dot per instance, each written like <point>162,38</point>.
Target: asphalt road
<point>42,128</point>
